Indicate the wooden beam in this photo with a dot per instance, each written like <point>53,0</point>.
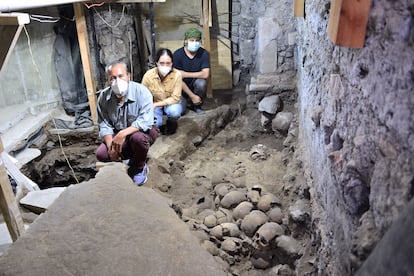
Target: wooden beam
<point>206,6</point>
<point>11,25</point>
<point>8,204</point>
<point>14,18</point>
<point>86,58</point>
<point>348,21</point>
<point>139,1</point>
<point>299,8</point>
<point>16,174</point>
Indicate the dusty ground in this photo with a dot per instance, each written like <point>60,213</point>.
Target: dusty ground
<point>226,157</point>
<point>229,157</point>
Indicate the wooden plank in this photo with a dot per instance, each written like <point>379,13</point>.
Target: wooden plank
<point>206,39</point>
<point>221,64</point>
<point>14,19</point>
<point>8,203</point>
<point>86,60</point>
<point>299,8</point>
<point>15,173</point>
<point>334,15</point>
<point>348,21</point>
<point>9,34</point>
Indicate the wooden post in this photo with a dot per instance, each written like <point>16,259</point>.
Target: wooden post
<point>85,55</point>
<point>8,204</point>
<point>206,6</point>
<point>348,21</point>
<point>299,8</point>
<point>10,28</point>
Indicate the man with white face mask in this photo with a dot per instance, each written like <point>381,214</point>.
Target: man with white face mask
<point>193,63</point>
<point>126,118</point>
<point>165,84</point>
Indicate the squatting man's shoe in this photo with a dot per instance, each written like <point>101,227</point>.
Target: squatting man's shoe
<point>141,177</point>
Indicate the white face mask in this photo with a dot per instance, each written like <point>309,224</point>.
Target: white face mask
<point>193,46</point>
<point>164,70</point>
<point>119,87</point>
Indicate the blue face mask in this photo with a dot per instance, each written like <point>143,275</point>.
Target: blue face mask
<point>193,46</point>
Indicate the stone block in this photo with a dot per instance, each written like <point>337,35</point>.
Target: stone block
<point>292,38</point>
<point>39,201</point>
<point>268,30</point>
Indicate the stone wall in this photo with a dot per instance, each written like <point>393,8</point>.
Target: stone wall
<point>113,37</point>
<point>263,41</point>
<point>356,109</point>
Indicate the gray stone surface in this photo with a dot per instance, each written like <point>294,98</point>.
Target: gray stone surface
<point>393,254</point>
<point>108,226</point>
<point>270,104</point>
<point>359,153</point>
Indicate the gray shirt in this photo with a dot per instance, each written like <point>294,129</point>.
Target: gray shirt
<point>136,110</point>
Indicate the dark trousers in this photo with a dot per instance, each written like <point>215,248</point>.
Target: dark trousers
<point>135,148</point>
<point>199,87</point>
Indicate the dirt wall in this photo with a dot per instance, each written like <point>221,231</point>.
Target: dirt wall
<point>356,129</point>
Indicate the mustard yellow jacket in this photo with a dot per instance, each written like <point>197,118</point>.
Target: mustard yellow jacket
<point>169,90</point>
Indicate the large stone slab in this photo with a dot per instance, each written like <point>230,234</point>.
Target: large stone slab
<point>108,226</point>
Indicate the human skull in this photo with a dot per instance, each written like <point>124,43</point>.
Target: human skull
<point>230,229</point>
<point>253,221</point>
<point>242,210</point>
<point>223,215</point>
<point>259,152</point>
<point>232,199</point>
<point>253,196</point>
<point>232,245</point>
<point>267,201</point>
<point>266,233</point>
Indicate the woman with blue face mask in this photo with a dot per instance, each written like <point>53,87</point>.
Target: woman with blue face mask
<point>193,62</point>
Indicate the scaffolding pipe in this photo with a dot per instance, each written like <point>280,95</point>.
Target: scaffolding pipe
<point>11,6</point>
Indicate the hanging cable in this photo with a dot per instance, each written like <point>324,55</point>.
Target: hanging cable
<point>33,61</point>
<point>63,151</point>
<point>94,4</point>
<point>44,18</point>
<point>43,90</point>
<point>109,25</point>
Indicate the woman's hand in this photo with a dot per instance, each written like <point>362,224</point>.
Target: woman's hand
<point>195,99</point>
<point>159,104</point>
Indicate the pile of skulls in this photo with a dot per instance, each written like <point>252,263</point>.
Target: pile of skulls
<point>240,224</point>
